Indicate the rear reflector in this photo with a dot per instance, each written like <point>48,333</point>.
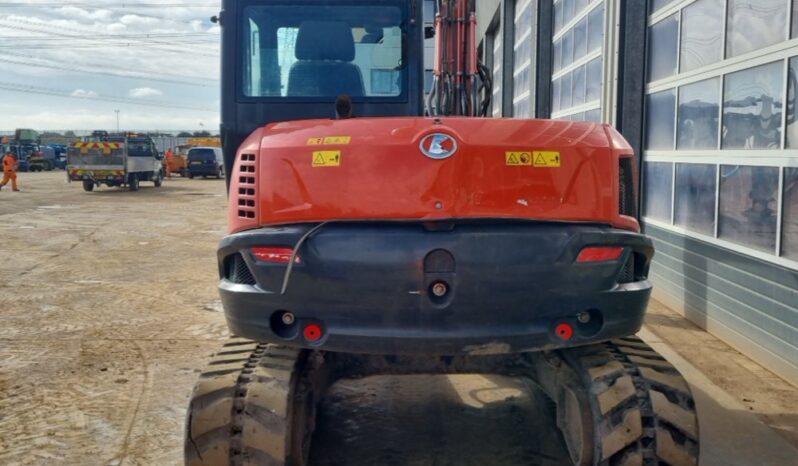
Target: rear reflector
<point>564,331</point>
<point>275,255</point>
<point>599,254</point>
<point>312,332</point>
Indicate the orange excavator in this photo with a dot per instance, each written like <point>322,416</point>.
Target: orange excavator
<point>371,234</point>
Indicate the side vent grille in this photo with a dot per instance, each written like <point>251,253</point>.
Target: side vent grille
<point>634,269</point>
<point>627,205</point>
<point>237,271</point>
<point>628,271</point>
<point>247,186</point>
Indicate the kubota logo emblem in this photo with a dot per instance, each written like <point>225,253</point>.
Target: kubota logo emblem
<point>438,146</point>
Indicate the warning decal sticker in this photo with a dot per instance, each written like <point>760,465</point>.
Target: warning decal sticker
<point>327,158</point>
<point>532,158</point>
<point>518,159</point>
<point>337,139</point>
<point>330,140</point>
<point>550,159</point>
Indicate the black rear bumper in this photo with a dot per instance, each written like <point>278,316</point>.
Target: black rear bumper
<point>368,286</point>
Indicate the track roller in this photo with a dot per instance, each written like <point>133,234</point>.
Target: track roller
<point>620,403</point>
<point>255,404</point>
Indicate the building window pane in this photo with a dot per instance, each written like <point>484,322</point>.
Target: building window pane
<point>578,86</point>
<point>521,108</point>
<point>662,48</point>
<point>595,28</point>
<point>523,19</point>
<point>593,79</point>
<point>792,109</point>
<point>565,92</point>
<point>555,95</point>
<point>694,208</point>
<point>698,115</point>
<point>659,184</point>
<point>580,39</point>
<point>557,17</point>
<point>427,81</point>
<point>568,48</point>
<point>753,24</point>
<point>522,55</point>
<point>748,197</point>
<point>789,237</point>
<point>567,11</point>
<point>580,5</point>
<point>702,34</point>
<point>654,5</point>
<point>557,56</point>
<point>794,26</point>
<point>521,82</point>
<point>752,103</point>
<point>496,100</point>
<point>660,115</point>
<point>593,116</point>
<point>429,11</point>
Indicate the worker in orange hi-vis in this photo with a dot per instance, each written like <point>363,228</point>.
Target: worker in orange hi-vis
<point>168,156</point>
<point>9,171</point>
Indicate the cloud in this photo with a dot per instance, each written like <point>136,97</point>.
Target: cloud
<point>162,57</point>
<point>143,92</point>
<point>84,93</point>
<point>138,20</point>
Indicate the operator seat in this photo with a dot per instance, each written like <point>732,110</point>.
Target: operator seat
<point>325,51</point>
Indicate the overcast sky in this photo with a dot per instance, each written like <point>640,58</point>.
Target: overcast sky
<point>70,65</point>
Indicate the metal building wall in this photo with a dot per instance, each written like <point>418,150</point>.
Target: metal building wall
<point>750,304</point>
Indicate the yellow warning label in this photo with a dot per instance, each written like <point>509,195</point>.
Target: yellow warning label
<point>337,139</point>
<point>327,158</point>
<point>549,159</point>
<point>518,159</point>
<point>330,140</point>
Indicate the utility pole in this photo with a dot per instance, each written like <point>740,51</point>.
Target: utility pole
<point>117,120</point>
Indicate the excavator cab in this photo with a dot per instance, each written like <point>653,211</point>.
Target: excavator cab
<point>291,60</point>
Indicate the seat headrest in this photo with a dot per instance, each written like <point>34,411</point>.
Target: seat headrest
<point>325,40</point>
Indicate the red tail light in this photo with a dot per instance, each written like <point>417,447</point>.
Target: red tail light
<point>275,255</point>
<point>600,254</point>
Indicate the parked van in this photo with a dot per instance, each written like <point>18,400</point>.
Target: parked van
<point>205,162</point>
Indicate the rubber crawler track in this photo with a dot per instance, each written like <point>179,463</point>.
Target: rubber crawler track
<point>643,411</point>
<point>243,407</point>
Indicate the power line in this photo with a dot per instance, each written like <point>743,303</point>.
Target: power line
<point>100,45</point>
<point>37,28</point>
<point>105,72</point>
<point>106,6</point>
<point>21,88</point>
<point>104,67</point>
<point>120,36</point>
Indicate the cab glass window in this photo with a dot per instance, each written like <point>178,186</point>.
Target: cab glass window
<point>323,51</point>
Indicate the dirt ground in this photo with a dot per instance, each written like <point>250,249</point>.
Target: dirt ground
<point>108,309</point>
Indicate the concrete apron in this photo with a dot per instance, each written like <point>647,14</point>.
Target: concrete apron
<point>730,434</point>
